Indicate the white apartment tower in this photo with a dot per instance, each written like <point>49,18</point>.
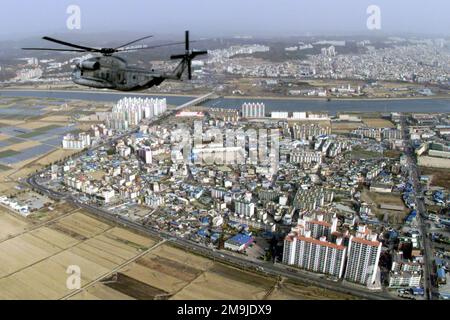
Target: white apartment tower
<point>317,255</point>
<point>363,256</point>
<point>253,110</point>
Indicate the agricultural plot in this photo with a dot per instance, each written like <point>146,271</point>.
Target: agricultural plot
<point>223,282</point>
<point>9,157</point>
<point>8,154</point>
<point>378,123</point>
<point>10,225</point>
<point>33,264</point>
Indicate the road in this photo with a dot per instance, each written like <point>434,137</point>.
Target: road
<point>431,292</point>
<point>414,174</point>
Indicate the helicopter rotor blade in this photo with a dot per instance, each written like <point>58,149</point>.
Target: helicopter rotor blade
<point>54,49</point>
<point>134,41</point>
<point>64,43</point>
<point>151,47</point>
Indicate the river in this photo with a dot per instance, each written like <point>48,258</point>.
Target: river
<point>272,104</point>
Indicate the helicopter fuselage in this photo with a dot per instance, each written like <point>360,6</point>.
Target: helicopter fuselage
<point>112,72</point>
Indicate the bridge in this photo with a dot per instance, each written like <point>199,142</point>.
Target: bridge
<point>196,101</point>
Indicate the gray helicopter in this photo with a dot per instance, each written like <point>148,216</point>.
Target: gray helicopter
<point>112,72</point>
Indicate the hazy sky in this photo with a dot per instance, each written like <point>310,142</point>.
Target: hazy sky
<point>224,17</point>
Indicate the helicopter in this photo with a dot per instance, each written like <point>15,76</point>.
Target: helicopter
<point>107,71</point>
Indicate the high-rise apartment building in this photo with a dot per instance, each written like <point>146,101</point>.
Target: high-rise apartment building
<point>363,256</point>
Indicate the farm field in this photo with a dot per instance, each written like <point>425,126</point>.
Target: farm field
<point>378,123</point>
<point>31,132</point>
<point>167,272</point>
<point>33,264</point>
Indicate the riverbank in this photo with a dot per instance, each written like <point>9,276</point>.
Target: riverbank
<point>440,97</point>
<point>155,94</point>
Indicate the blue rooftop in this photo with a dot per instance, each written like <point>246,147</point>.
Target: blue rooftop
<point>241,239</point>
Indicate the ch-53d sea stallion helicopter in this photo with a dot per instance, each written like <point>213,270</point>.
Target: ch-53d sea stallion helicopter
<point>112,72</point>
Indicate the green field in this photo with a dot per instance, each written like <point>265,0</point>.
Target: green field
<point>360,153</point>
<point>38,131</point>
<point>8,153</point>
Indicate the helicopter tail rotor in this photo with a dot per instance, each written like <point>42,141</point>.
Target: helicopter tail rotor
<point>189,55</point>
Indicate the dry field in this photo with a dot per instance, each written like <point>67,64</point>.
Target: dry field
<point>55,119</point>
<point>25,144</point>
<point>223,282</point>
<point>10,225</point>
<point>32,125</point>
<point>440,177</point>
<point>9,122</point>
<point>3,137</point>
<point>27,167</point>
<point>7,188</point>
<point>33,264</point>
<point>167,272</point>
<point>395,217</point>
<point>344,127</point>
<point>378,123</point>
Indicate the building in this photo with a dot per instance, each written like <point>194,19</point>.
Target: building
<point>381,187</point>
<point>404,279</point>
<point>145,154</point>
<point>306,156</point>
<point>392,134</point>
<point>363,257</point>
<point>244,208</point>
<point>108,195</point>
<point>299,115</point>
<point>154,200</point>
<point>279,115</point>
<point>238,242</point>
<point>404,273</point>
<point>253,110</point>
<point>313,198</point>
<point>364,132</point>
<point>317,255</point>
<point>70,141</point>
<point>130,111</point>
<point>306,131</point>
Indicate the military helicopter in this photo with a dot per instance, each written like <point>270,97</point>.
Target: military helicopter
<point>111,72</point>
